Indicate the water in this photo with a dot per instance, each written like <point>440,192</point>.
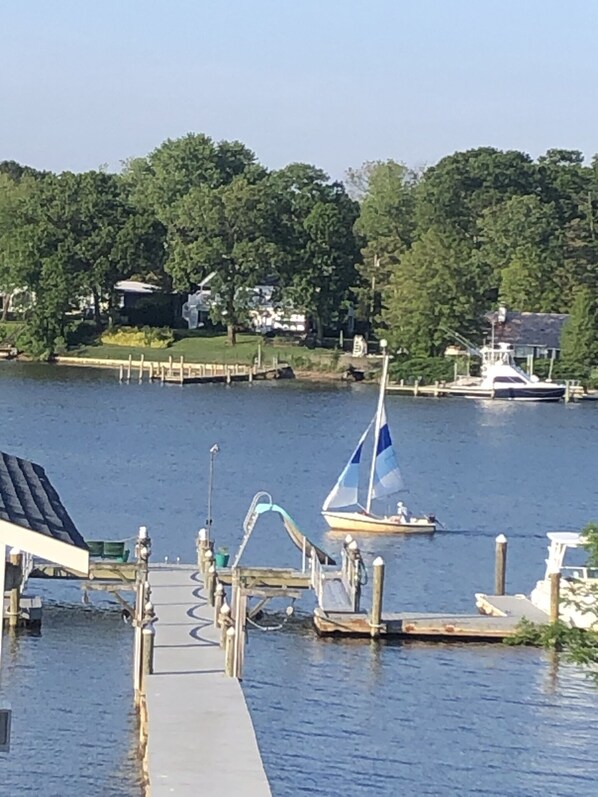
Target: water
<point>331,717</point>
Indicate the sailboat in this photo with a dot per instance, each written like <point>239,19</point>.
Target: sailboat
<point>385,479</point>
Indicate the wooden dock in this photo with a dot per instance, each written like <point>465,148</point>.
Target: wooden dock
<point>573,392</point>
<point>200,737</point>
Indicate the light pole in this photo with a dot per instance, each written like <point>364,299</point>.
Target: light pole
<point>213,451</point>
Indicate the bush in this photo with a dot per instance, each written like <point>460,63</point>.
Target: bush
<point>151,337</point>
<point>427,369</point>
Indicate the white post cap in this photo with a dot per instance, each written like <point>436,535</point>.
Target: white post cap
<point>348,539</point>
<point>231,631</point>
<point>15,551</point>
<point>202,534</point>
<point>378,562</point>
<point>143,532</point>
<point>501,538</point>
<point>353,545</point>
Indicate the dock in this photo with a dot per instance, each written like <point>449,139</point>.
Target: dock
<point>179,372</point>
<point>573,391</point>
<point>200,737</point>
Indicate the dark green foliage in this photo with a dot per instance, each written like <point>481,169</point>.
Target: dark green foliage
<point>425,369</point>
<point>580,334</point>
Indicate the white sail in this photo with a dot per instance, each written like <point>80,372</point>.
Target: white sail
<point>387,475</point>
<point>346,490</point>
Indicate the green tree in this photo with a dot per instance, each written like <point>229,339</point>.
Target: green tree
<point>579,345</point>
<point>520,240</point>
<point>228,230</point>
<point>437,289</point>
<point>317,247</point>
<point>387,224</point>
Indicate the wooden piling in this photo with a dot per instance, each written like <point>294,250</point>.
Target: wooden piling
<point>121,372</point>
<point>170,365</point>
<point>229,652</point>
<point>224,621</point>
<point>211,584</point>
<point>129,367</point>
<point>500,565</point>
<point>14,604</point>
<point>148,636</point>
<point>218,602</point>
<point>150,375</point>
<point>182,370</point>
<point>141,362</point>
<point>208,558</point>
<point>555,596</point>
<point>377,595</point>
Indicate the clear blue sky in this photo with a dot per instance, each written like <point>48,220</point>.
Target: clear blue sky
<point>331,82</point>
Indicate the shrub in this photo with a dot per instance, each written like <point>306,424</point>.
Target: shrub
<point>152,337</point>
<point>427,369</point>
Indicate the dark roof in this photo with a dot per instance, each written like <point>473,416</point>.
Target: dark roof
<point>28,499</point>
<point>529,329</point>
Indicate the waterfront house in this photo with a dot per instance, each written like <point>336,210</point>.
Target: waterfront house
<point>530,334</point>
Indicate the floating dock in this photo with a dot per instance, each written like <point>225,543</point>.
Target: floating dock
<point>200,737</point>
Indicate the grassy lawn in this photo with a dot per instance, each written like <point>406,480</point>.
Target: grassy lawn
<point>215,349</point>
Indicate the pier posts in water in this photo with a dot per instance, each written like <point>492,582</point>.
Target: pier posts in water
<point>14,604</point>
<point>555,596</point>
<point>500,565</point>
<point>224,622</point>
<point>377,595</point>
<point>148,635</point>
<point>143,549</point>
<point>129,367</point>
<point>211,584</point>
<point>353,582</point>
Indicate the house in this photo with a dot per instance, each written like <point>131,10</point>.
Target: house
<point>530,334</point>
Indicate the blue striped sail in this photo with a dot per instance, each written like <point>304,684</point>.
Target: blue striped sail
<point>387,475</point>
<point>346,490</point>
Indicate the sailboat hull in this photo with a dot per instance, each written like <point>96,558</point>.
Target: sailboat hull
<point>373,524</point>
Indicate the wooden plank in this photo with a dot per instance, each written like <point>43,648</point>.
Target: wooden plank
<point>334,597</point>
<point>268,577</point>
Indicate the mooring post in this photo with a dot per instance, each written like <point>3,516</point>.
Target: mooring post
<point>143,549</point>
<point>14,605</point>
<point>170,365</point>
<point>129,367</point>
<point>150,374</point>
<point>500,565</point>
<point>207,563</point>
<point>229,652</point>
<point>354,585</point>
<point>345,556</point>
<point>182,370</point>
<point>555,596</point>
<point>377,595</point>
<point>218,602</point>
<point>201,544</point>
<point>567,391</point>
<point>141,359</point>
<point>211,584</point>
<point>121,372</point>
<point>225,622</point>
<point>148,634</point>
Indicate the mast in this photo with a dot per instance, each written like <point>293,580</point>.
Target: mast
<point>383,379</point>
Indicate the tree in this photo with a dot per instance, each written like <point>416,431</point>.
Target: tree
<point>228,230</point>
<point>317,247</point>
<point>579,345</point>
<point>522,245</point>
<point>437,289</point>
<point>386,222</point>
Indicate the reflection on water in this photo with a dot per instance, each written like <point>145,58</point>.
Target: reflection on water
<point>332,717</point>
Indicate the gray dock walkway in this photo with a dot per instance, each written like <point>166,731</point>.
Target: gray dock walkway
<point>200,735</point>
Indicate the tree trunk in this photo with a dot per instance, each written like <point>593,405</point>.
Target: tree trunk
<point>319,329</point>
<point>231,333</point>
<point>6,298</point>
<point>96,306</point>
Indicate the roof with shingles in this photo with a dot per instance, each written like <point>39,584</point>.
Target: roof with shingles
<point>529,329</point>
<point>28,499</point>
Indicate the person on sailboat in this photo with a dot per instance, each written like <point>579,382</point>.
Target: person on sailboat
<point>403,512</point>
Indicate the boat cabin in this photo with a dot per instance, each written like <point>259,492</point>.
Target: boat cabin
<point>568,545</point>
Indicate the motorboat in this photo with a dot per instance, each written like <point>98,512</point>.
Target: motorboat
<point>342,510</point>
<point>502,378</point>
<point>578,604</point>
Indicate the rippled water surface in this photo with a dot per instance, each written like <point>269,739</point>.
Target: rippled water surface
<point>332,717</point>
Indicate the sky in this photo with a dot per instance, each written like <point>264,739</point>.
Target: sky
<point>85,83</point>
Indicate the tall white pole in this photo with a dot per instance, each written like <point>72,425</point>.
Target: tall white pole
<point>383,379</point>
<point>213,451</point>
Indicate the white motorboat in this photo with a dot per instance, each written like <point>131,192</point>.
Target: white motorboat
<point>502,379</point>
<point>342,510</point>
<point>578,605</point>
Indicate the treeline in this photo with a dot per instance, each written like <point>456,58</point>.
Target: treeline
<point>420,255</point>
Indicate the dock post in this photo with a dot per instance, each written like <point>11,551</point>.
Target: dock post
<point>170,365</point>
<point>121,373</point>
<point>201,544</point>
<point>14,605</point>
<point>225,622</point>
<point>250,376</point>
<point>150,371</point>
<point>354,587</point>
<point>141,359</point>
<point>218,603</point>
<point>182,367</point>
<point>377,594</point>
<point>567,391</point>
<point>555,596</point>
<point>229,652</point>
<point>207,563</point>
<point>416,387</point>
<point>228,377</point>
<point>500,565</point>
<point>345,557</point>
<point>129,367</point>
<point>211,584</point>
<point>162,373</point>
<point>143,549</point>
<point>436,388</point>
<point>259,356</point>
